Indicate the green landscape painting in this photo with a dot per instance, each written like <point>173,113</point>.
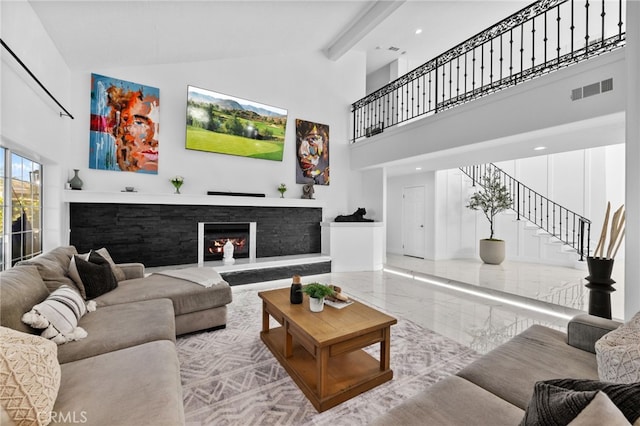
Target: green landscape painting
<point>230,125</point>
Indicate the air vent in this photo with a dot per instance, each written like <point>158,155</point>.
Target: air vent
<point>576,94</point>
<point>606,85</point>
<point>393,48</point>
<point>592,89</point>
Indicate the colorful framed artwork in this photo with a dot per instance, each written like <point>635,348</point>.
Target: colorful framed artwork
<point>125,123</point>
<point>230,125</point>
<point>312,152</point>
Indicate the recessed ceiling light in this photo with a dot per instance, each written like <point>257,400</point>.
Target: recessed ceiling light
<point>539,148</point>
<point>419,31</point>
<point>418,168</point>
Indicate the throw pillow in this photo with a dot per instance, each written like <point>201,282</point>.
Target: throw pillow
<point>58,315</point>
<point>96,275</point>
<point>75,275</point>
<point>618,353</point>
<point>117,271</point>
<point>29,377</point>
<point>562,401</point>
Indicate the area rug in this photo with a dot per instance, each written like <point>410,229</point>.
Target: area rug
<point>229,377</point>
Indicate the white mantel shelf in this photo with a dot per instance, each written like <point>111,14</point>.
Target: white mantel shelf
<point>72,196</point>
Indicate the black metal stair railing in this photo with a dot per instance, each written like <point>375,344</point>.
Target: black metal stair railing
<point>542,37</point>
<point>567,226</point>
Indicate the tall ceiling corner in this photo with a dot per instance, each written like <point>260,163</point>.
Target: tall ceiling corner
<point>372,14</point>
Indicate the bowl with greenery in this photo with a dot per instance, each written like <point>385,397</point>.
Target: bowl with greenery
<point>317,292</point>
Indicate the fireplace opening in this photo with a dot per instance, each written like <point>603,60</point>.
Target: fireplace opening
<point>213,236</point>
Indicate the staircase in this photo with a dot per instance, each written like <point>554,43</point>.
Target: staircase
<point>549,218</point>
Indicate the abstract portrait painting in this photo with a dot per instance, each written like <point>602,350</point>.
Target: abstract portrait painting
<point>124,126</point>
<point>312,152</point>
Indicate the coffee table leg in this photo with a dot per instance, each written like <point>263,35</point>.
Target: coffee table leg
<point>288,342</point>
<point>322,362</point>
<point>385,350</point>
<point>265,318</point>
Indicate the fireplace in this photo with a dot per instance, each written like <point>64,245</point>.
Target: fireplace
<point>212,237</point>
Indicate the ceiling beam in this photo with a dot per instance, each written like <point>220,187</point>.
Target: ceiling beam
<point>376,12</point>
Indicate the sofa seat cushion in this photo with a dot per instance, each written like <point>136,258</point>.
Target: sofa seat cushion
<point>453,401</point>
<point>539,353</point>
<point>111,328</point>
<point>21,287</point>
<point>139,385</point>
<point>186,296</point>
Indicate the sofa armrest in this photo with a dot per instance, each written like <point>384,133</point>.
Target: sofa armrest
<point>583,331</point>
<point>132,270</point>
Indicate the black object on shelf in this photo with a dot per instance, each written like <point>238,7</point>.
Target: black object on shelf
<point>236,194</point>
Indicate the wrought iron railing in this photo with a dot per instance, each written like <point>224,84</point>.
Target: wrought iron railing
<point>567,226</point>
<point>544,36</point>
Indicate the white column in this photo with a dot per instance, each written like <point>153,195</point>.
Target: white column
<point>632,240</point>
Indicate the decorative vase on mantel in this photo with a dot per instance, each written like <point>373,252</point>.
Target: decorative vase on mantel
<point>600,286</point>
<point>75,182</point>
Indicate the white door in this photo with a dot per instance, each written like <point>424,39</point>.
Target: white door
<point>413,238</point>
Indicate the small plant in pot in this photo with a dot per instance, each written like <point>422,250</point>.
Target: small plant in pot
<point>492,199</point>
<point>317,292</point>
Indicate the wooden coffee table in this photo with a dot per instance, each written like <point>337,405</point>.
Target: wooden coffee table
<point>322,352</point>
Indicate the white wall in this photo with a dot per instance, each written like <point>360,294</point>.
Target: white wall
<point>30,122</point>
<point>569,179</point>
<point>632,265</point>
<point>523,110</point>
<point>309,86</point>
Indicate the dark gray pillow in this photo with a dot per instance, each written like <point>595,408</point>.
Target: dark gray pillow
<point>96,275</point>
<point>560,401</point>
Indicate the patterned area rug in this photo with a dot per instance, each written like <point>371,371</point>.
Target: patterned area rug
<point>229,377</point>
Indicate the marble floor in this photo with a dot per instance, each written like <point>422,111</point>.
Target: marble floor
<point>478,305</point>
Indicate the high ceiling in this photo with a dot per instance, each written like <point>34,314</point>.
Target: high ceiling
<point>108,33</point>
<point>94,34</point>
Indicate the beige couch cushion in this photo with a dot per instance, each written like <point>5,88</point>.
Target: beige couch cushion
<point>453,401</point>
<point>186,296</point>
<point>618,353</point>
<point>538,353</point>
<point>21,287</point>
<point>29,377</point>
<point>54,266</point>
<point>133,386</point>
<point>111,328</point>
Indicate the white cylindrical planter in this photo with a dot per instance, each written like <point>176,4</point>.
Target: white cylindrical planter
<point>316,305</point>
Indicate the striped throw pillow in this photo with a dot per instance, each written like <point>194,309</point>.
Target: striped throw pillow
<point>58,315</point>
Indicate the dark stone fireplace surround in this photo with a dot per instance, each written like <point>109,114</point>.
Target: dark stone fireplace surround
<point>167,234</point>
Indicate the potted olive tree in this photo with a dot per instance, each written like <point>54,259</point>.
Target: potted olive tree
<point>317,292</point>
<point>491,199</point>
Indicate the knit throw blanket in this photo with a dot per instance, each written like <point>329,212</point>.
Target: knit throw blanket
<point>205,277</point>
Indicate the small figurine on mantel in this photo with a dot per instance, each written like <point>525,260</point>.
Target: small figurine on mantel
<point>307,191</point>
<point>227,258</point>
<point>357,216</point>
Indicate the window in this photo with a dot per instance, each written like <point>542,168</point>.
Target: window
<point>21,214</point>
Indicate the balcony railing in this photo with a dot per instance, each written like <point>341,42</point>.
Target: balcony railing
<point>544,36</point>
<point>565,225</point>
